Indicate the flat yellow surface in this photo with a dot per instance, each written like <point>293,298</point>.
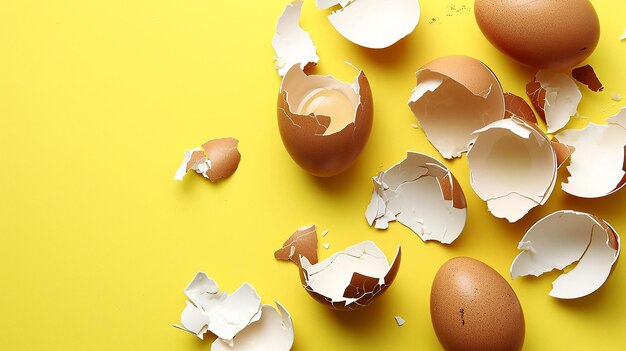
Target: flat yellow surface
<point>98,101</point>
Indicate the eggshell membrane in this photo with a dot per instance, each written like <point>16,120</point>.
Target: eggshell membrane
<point>454,96</point>
<point>304,136</point>
<point>547,34</point>
<point>473,307</point>
<point>563,238</point>
<point>512,167</point>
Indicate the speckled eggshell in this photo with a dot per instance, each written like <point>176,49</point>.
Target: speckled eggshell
<point>473,308</point>
<point>545,34</point>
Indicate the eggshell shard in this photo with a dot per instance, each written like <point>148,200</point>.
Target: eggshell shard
<point>472,307</point>
<point>518,107</point>
<point>303,242</point>
<point>587,75</point>
<point>399,320</point>
<point>373,23</point>
<point>555,35</point>
<point>349,279</point>
<point>291,43</point>
<point>563,238</point>
<point>422,194</point>
<point>215,159</point>
<point>454,96</point>
<point>563,152</point>
<point>513,167</point>
<point>555,97</point>
<point>324,123</point>
<point>238,320</point>
<point>273,332</point>
<point>598,165</point>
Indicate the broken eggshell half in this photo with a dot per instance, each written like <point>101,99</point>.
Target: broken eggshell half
<point>238,320</point>
<point>597,165</point>
<point>324,123</point>
<point>421,193</point>
<point>347,280</point>
<point>291,43</point>
<point>454,96</point>
<point>555,96</point>
<point>563,238</point>
<point>513,167</point>
<point>373,23</point>
<point>215,159</point>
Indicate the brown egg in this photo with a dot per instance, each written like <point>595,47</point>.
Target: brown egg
<point>324,123</point>
<point>545,34</point>
<point>473,308</point>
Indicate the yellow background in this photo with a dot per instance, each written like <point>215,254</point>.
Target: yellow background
<point>98,101</point>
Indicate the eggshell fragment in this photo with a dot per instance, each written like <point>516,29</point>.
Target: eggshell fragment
<point>555,97</point>
<point>553,35</point>
<point>324,123</point>
<point>291,43</point>
<point>518,107</point>
<point>588,77</point>
<point>399,320</point>
<point>472,307</point>
<point>563,238</point>
<point>454,96</point>
<point>238,320</point>
<point>373,23</point>
<point>513,167</point>
<point>350,279</point>
<point>215,159</point>
<point>301,243</point>
<point>598,165</point>
<point>422,194</point>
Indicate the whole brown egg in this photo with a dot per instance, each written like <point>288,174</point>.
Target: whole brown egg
<point>473,308</point>
<point>545,34</point>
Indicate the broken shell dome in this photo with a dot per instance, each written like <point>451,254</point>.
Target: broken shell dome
<point>324,123</point>
<point>373,23</point>
<point>347,280</point>
<point>563,238</point>
<point>598,164</point>
<point>513,167</point>
<point>454,96</point>
<point>422,194</point>
<point>238,320</point>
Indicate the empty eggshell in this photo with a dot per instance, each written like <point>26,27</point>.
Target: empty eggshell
<point>373,23</point>
<point>324,123</point>
<point>422,194</point>
<point>513,167</point>
<point>598,163</point>
<point>551,34</point>
<point>563,238</point>
<point>454,96</point>
<point>347,280</point>
<point>238,320</point>
<point>291,43</point>
<point>215,159</point>
<point>555,97</point>
<point>472,308</point>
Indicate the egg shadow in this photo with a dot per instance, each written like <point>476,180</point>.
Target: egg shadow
<point>364,321</point>
<point>342,183</point>
<point>393,56</point>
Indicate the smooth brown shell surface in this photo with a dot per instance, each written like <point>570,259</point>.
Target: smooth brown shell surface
<point>473,308</point>
<point>326,155</point>
<point>545,34</point>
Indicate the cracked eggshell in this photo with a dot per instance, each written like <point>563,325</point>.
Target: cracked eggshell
<point>551,35</point>
<point>563,238</point>
<point>454,96</point>
<point>587,76</point>
<point>373,23</point>
<point>472,307</point>
<point>422,194</point>
<point>555,97</point>
<point>516,106</point>
<point>324,123</point>
<point>513,167</point>
<point>598,163</point>
<point>291,43</point>
<point>347,280</point>
<point>215,159</point>
<point>238,320</point>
